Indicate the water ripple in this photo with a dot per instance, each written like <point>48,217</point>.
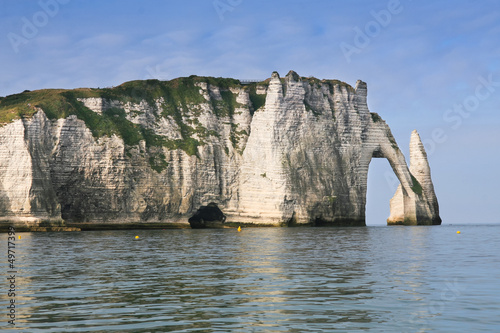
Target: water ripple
<point>259,280</point>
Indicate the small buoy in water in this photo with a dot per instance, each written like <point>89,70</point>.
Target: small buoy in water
<point>239,229</point>
<point>136,237</point>
<point>458,231</point>
<point>19,237</point>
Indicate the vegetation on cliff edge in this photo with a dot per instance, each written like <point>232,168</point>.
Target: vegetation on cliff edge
<point>416,187</point>
<point>179,99</point>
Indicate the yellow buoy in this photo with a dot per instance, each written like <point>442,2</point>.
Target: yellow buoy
<point>239,228</point>
<point>19,237</point>
<point>136,237</point>
<point>458,231</point>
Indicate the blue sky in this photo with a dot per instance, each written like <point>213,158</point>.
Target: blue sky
<point>433,66</point>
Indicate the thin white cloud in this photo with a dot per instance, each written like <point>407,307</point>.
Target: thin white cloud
<point>103,40</point>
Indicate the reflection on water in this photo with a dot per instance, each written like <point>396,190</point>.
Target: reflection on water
<point>257,280</point>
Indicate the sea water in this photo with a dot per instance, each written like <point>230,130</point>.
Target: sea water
<point>377,279</point>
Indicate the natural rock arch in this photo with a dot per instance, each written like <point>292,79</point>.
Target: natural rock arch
<point>315,168</point>
<point>414,202</point>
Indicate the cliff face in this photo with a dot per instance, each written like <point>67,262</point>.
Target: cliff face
<point>279,152</point>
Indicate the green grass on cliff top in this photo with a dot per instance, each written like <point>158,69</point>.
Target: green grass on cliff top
<point>330,83</point>
<point>57,103</point>
<point>181,97</point>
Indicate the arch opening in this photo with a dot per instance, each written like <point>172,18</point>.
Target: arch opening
<point>381,185</point>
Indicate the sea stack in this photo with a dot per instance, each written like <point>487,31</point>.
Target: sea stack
<point>423,188</point>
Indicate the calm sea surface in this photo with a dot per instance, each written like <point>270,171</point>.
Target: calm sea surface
<point>380,279</point>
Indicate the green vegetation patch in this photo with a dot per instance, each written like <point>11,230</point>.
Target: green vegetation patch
<point>375,117</point>
<point>189,145</point>
<point>25,104</point>
<point>311,109</point>
<point>394,144</point>
<point>416,187</point>
<point>236,135</point>
<point>58,103</point>
<point>179,99</point>
<point>176,91</point>
<point>314,82</point>
<point>158,162</point>
<point>332,83</point>
<point>331,199</point>
<point>112,121</point>
<point>222,83</point>
<point>226,106</point>
<point>257,100</point>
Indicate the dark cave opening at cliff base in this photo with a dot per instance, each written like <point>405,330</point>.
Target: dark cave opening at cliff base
<point>382,184</point>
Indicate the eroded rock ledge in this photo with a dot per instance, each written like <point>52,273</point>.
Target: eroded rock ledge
<point>291,151</point>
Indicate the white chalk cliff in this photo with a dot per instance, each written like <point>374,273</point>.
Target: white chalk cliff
<point>300,156</point>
